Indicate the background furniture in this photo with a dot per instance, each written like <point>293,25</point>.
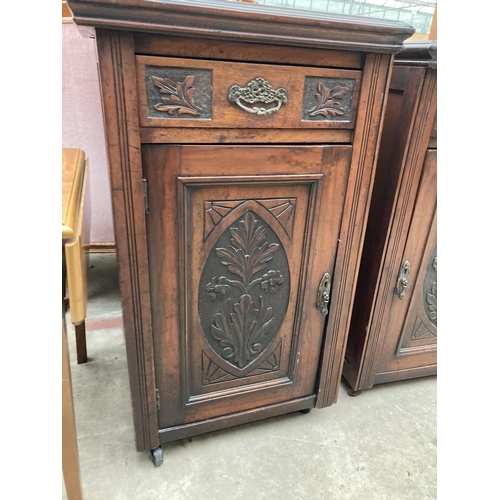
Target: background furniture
<point>75,236</point>
<point>75,231</point>
<point>241,143</point>
<point>393,333</point>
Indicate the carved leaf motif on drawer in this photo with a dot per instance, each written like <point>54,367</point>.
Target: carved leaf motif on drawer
<point>327,103</point>
<point>327,99</point>
<point>179,96</point>
<point>174,93</point>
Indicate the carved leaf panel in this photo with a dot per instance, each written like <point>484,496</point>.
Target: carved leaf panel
<point>184,93</point>
<point>283,209</point>
<point>244,290</point>
<point>213,373</point>
<point>430,289</point>
<point>328,99</point>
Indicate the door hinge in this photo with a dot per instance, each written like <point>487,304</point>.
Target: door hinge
<point>158,399</point>
<point>146,195</point>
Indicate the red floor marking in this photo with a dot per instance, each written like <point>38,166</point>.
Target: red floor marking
<point>103,324</point>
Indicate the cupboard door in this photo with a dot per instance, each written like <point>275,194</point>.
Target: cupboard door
<point>239,238</point>
<point>411,340</point>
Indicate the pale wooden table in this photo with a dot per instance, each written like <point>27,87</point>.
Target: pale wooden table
<point>75,232</point>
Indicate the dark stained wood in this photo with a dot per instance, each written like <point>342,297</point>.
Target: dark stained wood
<point>418,54</point>
<point>221,76</point>
<point>392,338</point>
<point>190,135</point>
<point>316,189</point>
<point>218,19</point>
<point>365,146</point>
<point>405,88</point>
<point>244,417</point>
<point>201,358</point>
<point>433,137</point>
<point>118,90</point>
<point>244,52</point>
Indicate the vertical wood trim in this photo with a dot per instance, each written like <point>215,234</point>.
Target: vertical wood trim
<point>374,90</point>
<point>398,229</point>
<point>119,97</point>
<point>409,105</point>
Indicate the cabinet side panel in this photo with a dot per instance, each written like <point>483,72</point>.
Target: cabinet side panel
<point>405,87</point>
<point>404,213</point>
<point>119,97</point>
<point>372,100</point>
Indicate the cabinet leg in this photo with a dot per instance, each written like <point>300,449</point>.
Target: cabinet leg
<point>81,343</point>
<point>306,411</point>
<point>353,393</point>
<point>157,456</point>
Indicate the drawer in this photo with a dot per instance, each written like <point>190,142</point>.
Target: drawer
<point>177,92</point>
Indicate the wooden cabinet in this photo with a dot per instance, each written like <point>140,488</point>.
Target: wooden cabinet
<point>393,334</point>
<point>241,143</point>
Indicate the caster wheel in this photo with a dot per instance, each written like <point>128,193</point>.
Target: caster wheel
<point>306,411</point>
<point>353,393</point>
<point>157,456</point>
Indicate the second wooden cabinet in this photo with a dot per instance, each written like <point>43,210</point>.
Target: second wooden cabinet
<point>393,333</point>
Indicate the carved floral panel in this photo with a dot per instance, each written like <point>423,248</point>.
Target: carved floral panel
<point>283,209</point>
<point>184,93</point>
<point>420,329</point>
<point>430,289</point>
<point>212,373</point>
<point>327,99</point>
<point>244,291</point>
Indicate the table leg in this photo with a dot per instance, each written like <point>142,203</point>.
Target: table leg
<point>70,462</point>
<point>81,343</point>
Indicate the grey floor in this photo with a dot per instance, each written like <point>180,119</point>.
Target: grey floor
<point>378,445</point>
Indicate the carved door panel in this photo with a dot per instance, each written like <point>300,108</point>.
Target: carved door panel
<point>241,237</point>
<point>411,338</point>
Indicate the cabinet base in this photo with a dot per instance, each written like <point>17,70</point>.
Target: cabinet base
<point>214,424</point>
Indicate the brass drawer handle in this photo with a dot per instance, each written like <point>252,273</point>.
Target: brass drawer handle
<point>403,279</point>
<point>255,91</point>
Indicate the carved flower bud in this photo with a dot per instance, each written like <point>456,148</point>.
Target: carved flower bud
<point>272,280</point>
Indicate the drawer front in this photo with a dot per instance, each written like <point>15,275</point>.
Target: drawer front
<point>213,94</point>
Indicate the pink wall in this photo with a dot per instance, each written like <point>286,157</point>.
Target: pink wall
<point>82,124</point>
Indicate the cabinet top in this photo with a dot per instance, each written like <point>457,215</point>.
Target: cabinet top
<point>423,53</point>
<point>236,21</point>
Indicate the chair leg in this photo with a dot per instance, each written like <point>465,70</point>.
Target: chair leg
<point>81,343</point>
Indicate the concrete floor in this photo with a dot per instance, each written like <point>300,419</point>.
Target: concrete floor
<point>378,445</point>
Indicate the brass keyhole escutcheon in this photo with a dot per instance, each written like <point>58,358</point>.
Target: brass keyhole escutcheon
<point>402,283</point>
<point>324,294</point>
